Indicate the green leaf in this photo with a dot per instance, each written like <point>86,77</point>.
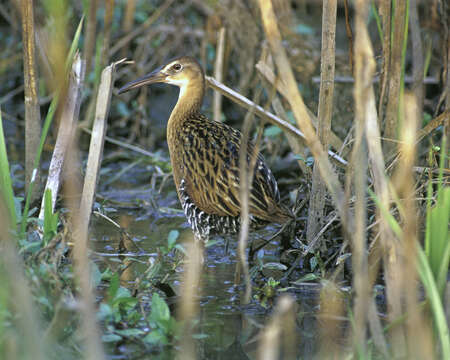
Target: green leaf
<point>307,277</point>
<point>130,332</point>
<point>429,283</point>
<point>50,220</point>
<point>156,337</point>
<point>6,188</point>
<point>172,238</point>
<point>113,287</point>
<point>111,338</point>
<point>160,311</point>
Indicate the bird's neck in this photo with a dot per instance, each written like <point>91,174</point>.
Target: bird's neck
<point>189,102</point>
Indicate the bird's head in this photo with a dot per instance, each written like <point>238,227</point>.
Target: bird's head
<point>183,72</point>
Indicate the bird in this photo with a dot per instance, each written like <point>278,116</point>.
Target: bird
<point>205,159</point>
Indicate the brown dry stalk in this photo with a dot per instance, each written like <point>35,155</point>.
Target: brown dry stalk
<point>348,29</point>
<point>384,10</point>
<point>91,26</point>
<point>394,76</point>
<point>269,75</point>
<point>109,12</point>
<point>127,23</point>
<point>300,112</point>
<point>261,112</point>
<point>365,70</point>
<point>82,214</point>
<point>32,111</point>
<point>318,192</point>
<point>66,130</point>
<point>218,73</point>
<point>417,57</point>
<point>246,176</point>
<point>97,142</point>
<point>420,342</point>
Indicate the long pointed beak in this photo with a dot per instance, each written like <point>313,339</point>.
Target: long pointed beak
<point>154,77</point>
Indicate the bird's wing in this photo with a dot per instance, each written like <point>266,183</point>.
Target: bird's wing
<point>211,171</point>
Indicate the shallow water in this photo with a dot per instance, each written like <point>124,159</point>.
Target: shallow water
<point>227,329</point>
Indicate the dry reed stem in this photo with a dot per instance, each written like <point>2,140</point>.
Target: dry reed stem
<point>97,142</point>
<point>395,76</point>
<point>32,111</point>
<point>261,112</point>
<point>279,331</point>
<point>300,111</point>
<point>107,28</point>
<point>384,10</point>
<point>66,131</point>
<point>363,70</point>
<point>348,29</point>
<point>420,342</point>
<point>127,23</point>
<point>390,245</point>
<point>269,75</point>
<point>188,305</point>
<point>417,57</point>
<point>218,73</point>
<point>246,176</point>
<point>91,26</point>
<point>94,348</point>
<point>296,146</point>
<point>325,111</point>
<point>20,297</point>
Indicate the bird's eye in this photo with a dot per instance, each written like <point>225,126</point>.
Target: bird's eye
<point>177,67</point>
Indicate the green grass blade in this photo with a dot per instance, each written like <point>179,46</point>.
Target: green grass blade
<point>429,283</point>
<point>74,45</point>
<point>440,218</point>
<point>5,177</point>
<point>378,21</point>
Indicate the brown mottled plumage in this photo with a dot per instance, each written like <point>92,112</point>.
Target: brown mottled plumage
<point>205,159</point>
